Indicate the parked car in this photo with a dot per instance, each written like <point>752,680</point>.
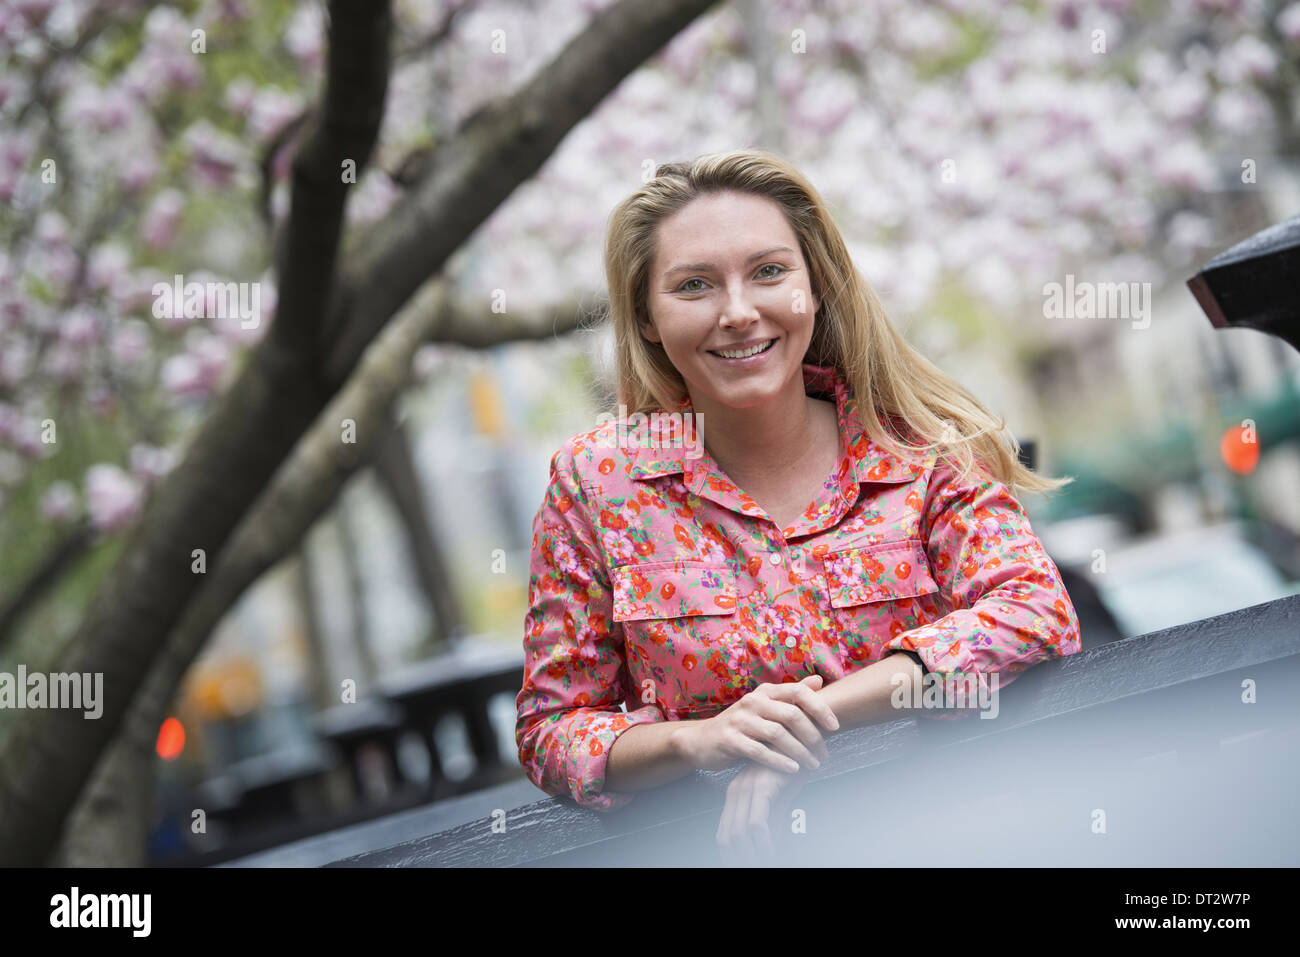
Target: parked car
<point>1174,578</point>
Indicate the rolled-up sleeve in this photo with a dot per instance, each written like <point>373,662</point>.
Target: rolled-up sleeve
<point>575,671</point>
<point>1010,609</point>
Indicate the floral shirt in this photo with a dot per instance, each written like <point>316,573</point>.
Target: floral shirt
<point>658,585</point>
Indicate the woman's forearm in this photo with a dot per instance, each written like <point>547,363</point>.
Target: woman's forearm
<point>865,697</point>
<point>648,755</point>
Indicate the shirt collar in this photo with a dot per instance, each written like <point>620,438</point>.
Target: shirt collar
<point>867,460</point>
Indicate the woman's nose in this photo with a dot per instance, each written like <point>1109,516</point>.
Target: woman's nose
<point>737,308</point>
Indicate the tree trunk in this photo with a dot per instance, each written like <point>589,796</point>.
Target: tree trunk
<point>320,678</point>
<point>395,465</point>
<point>359,624</point>
<point>50,754</point>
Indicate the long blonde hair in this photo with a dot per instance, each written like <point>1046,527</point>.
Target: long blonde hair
<point>851,331</point>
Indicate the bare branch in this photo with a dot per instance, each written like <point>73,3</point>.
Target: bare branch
<point>348,125</point>
<point>497,148</point>
<point>51,568</point>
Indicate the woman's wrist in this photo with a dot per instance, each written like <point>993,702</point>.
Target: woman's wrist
<point>648,755</point>
<point>682,741</point>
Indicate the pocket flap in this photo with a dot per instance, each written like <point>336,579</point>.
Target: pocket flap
<point>673,590</point>
<point>878,572</point>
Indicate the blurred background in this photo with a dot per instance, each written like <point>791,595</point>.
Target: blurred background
<point>974,153</point>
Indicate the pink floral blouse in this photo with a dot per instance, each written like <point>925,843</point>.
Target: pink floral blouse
<point>657,584</point>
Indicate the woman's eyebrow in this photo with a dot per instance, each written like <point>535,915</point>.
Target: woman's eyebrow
<point>705,267</point>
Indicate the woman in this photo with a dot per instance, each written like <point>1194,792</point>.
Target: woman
<point>750,575</point>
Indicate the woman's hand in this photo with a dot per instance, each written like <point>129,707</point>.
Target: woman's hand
<point>743,831</point>
<point>771,726</point>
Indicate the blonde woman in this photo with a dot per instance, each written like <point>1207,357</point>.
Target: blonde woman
<point>796,508</point>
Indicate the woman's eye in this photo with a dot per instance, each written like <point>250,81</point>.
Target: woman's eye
<point>682,287</point>
<point>780,270</point>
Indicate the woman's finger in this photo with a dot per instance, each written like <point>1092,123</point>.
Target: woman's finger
<point>760,808</point>
<point>758,752</point>
<point>724,825</point>
<point>740,826</point>
<point>796,721</point>
<point>775,736</point>
<point>807,698</point>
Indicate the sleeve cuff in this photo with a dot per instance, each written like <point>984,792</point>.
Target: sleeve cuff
<point>591,756</point>
<point>934,660</point>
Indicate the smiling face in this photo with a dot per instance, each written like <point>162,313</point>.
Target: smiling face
<point>728,276</point>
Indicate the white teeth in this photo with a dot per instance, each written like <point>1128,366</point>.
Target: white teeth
<point>745,353</point>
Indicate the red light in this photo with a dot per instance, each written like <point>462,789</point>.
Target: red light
<point>1240,449</point>
<point>171,740</point>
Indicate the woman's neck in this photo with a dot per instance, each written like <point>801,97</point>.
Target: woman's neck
<point>758,446</point>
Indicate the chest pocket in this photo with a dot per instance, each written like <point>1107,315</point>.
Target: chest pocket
<point>673,590</point>
<point>883,571</point>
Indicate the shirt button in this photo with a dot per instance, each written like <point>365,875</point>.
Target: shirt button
<point>790,642</point>
<point>776,558</point>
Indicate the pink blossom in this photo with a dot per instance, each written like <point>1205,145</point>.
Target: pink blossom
<point>9,417</point>
<point>1240,111</point>
<point>27,438</point>
<point>182,376</point>
<point>1247,59</point>
<point>13,28</point>
<point>304,35</point>
<point>1288,22</point>
<point>374,197</point>
<point>1182,99</point>
<point>132,292</point>
<point>56,263</point>
<point>112,496</point>
<point>1190,232</point>
<point>138,170</point>
<point>79,327</point>
<point>150,463</point>
<point>239,95</point>
<point>59,504</point>
<point>51,227</point>
<point>131,345</point>
<point>272,108</point>
<point>101,400</point>
<point>63,362</point>
<point>215,157</point>
<point>15,361</point>
<point>109,262</point>
<point>1187,168</point>
<point>161,219</point>
<point>197,372</point>
<point>213,354</point>
<point>686,52</point>
<point>1220,6</point>
<point>99,109</point>
<point>225,10</point>
<point>34,10</point>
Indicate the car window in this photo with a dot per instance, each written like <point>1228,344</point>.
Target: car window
<point>1227,576</point>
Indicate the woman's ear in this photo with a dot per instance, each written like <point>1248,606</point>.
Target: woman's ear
<point>648,329</point>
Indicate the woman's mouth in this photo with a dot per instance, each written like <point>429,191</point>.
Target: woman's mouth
<point>734,356</point>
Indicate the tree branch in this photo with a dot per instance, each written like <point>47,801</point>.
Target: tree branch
<point>57,560</point>
<point>275,399</point>
<point>496,149</point>
<point>346,128</point>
